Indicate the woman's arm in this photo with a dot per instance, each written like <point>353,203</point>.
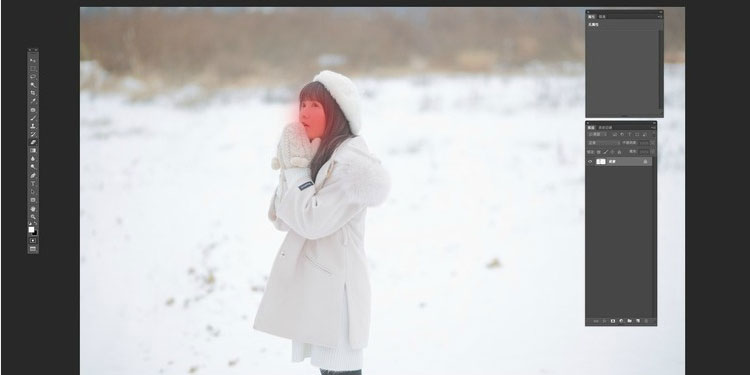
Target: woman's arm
<point>318,214</point>
<point>277,195</point>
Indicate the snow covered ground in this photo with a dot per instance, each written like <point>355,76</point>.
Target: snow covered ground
<point>176,246</point>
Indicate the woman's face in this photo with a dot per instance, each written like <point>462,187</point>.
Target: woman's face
<point>312,116</point>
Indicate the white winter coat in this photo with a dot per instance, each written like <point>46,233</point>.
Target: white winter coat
<point>323,250</point>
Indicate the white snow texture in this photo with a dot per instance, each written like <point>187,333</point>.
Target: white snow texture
<point>176,245</point>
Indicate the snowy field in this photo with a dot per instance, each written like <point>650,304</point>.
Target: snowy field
<point>176,246</point>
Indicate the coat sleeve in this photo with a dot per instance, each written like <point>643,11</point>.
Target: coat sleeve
<point>277,195</point>
<point>316,214</point>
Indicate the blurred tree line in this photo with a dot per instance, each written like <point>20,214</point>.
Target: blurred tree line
<point>217,47</point>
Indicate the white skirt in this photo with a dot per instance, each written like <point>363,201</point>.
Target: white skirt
<point>341,358</point>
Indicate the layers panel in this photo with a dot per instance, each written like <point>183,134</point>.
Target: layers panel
<point>620,221</point>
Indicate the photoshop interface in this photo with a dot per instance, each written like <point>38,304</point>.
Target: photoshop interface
<point>624,63</point>
<point>620,211</point>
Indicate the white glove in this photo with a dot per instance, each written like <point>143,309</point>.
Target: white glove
<point>294,150</point>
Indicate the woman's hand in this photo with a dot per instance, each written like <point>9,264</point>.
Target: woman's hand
<point>295,150</point>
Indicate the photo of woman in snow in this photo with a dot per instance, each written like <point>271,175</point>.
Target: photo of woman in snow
<point>318,291</point>
<point>379,190</point>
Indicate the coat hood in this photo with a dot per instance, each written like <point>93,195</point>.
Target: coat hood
<point>367,180</point>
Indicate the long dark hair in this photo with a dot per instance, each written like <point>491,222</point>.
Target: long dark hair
<point>336,130</point>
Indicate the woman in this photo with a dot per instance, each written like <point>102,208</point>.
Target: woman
<point>318,292</point>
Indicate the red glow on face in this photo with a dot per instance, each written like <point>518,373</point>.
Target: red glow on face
<point>312,116</point>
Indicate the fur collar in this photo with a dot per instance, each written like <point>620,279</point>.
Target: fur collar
<point>368,181</point>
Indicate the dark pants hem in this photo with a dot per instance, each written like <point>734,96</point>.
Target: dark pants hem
<point>330,372</point>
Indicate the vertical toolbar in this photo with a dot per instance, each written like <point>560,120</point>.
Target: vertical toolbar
<point>32,150</point>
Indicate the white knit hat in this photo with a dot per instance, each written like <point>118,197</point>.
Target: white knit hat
<point>343,90</point>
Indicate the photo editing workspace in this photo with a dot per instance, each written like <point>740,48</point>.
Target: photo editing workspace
<point>239,188</point>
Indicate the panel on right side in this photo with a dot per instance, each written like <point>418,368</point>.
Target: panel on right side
<point>624,63</point>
